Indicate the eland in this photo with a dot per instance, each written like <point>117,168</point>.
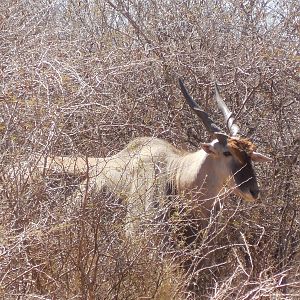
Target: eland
<point>148,170</point>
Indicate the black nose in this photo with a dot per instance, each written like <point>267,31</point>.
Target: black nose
<point>254,193</point>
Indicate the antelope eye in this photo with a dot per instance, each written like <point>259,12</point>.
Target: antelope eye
<point>226,153</point>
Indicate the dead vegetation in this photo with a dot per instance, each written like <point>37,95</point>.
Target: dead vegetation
<point>84,78</point>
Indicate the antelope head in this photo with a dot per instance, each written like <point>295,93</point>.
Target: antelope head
<point>233,153</point>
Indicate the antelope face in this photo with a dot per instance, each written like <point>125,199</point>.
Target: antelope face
<point>234,160</point>
<point>245,183</point>
<point>243,152</point>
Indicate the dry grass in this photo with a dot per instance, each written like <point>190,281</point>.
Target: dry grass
<point>85,77</point>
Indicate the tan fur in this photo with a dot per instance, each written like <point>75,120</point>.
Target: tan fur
<point>140,173</point>
<point>241,148</point>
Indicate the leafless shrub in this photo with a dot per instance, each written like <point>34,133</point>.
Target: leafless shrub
<point>84,78</point>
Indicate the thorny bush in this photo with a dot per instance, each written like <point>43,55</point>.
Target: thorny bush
<point>84,78</point>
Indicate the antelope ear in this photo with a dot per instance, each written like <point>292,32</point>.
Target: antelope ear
<point>258,157</point>
<point>208,148</point>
